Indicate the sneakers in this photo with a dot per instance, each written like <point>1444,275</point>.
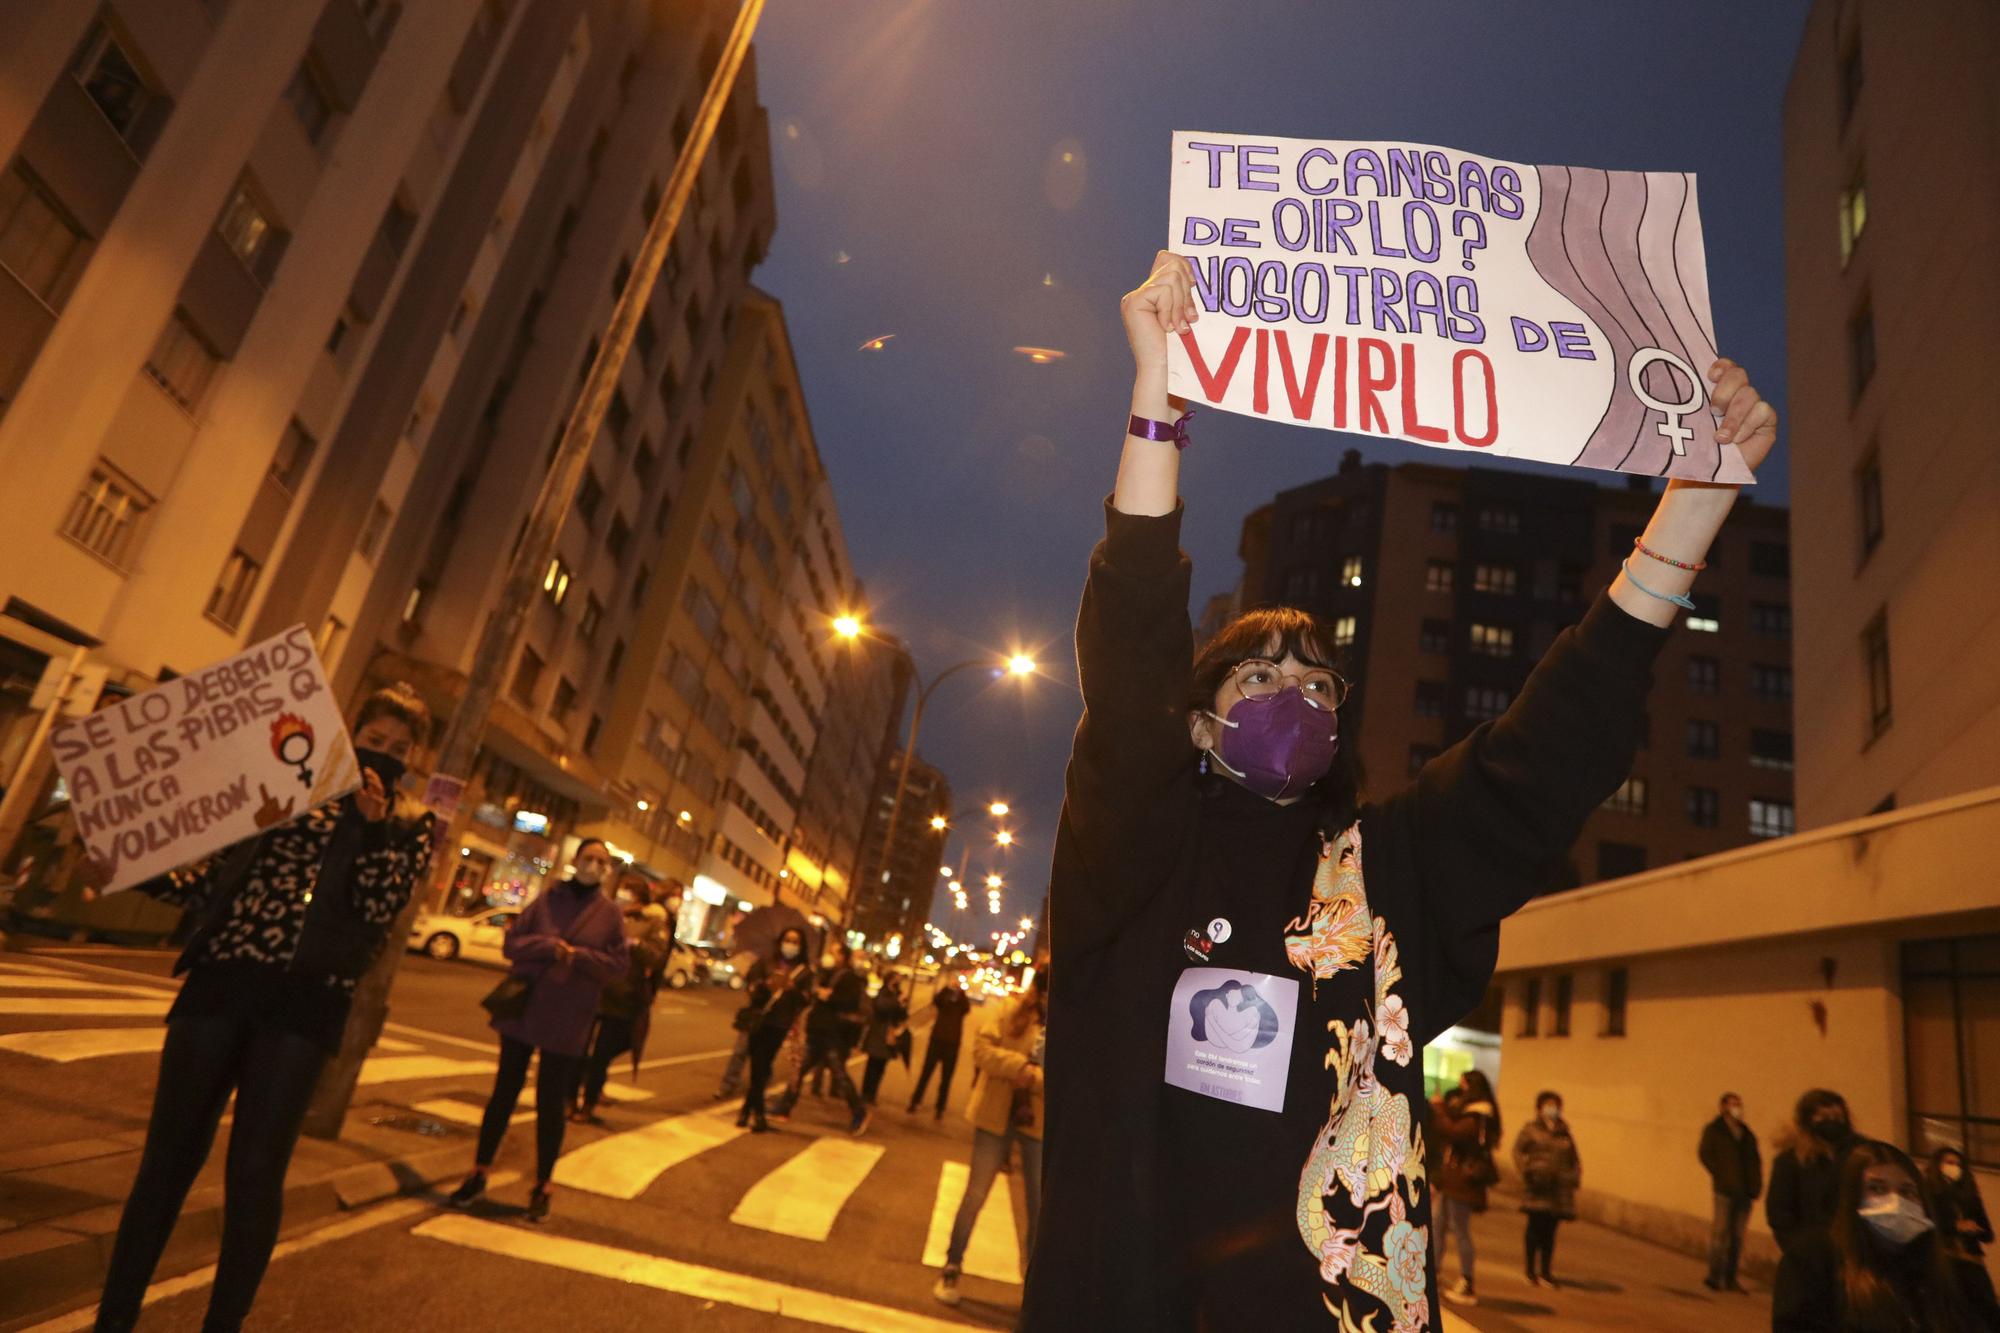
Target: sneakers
<point>468,1193</point>
<point>946,1290</point>
<point>1462,1294</point>
<point>538,1206</point>
<point>859,1125</point>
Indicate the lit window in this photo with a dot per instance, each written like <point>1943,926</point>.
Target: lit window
<point>105,515</point>
<point>1853,216</point>
<point>1437,576</point>
<point>555,583</point>
<point>1771,819</point>
<point>1501,580</point>
<point>1343,632</point>
<point>1629,799</point>
<point>1350,571</point>
<point>1493,640</point>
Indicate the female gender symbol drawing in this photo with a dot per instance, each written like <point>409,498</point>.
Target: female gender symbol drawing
<point>1642,361</point>
<point>292,743</point>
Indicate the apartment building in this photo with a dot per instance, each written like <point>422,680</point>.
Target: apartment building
<point>899,881</point>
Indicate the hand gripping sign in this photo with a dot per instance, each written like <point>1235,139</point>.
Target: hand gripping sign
<point>189,767</point>
<point>1558,314</point>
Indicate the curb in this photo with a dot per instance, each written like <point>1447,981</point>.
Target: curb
<point>41,1281</point>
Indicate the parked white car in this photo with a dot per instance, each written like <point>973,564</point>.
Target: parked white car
<point>476,938</point>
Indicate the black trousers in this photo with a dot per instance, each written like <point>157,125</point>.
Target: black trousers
<point>613,1039</point>
<point>272,1073</point>
<point>943,1057</point>
<point>827,1051</point>
<point>764,1044</point>
<point>871,1077</point>
<point>555,1084</point>
<point>1541,1242</point>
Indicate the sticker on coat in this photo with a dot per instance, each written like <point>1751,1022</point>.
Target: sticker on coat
<point>1229,1035</point>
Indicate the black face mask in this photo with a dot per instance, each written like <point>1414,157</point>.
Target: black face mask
<point>386,767</point>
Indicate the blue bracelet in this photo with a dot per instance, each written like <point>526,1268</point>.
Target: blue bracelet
<point>1678,599</point>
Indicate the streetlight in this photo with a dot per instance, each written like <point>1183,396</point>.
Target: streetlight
<point>994,882</point>
<point>1004,838</point>
<point>940,823</point>
<point>998,809</point>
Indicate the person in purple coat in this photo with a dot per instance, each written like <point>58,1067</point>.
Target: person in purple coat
<point>569,943</point>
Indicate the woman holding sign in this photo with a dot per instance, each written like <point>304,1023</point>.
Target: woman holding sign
<point>1235,1058</point>
<point>288,924</point>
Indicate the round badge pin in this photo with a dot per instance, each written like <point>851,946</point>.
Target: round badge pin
<point>1218,930</point>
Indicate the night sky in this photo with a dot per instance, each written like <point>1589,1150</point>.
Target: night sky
<point>924,192</point>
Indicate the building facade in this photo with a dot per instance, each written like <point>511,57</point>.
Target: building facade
<point>1890,305</point>
<point>898,882</point>
<point>1446,585</point>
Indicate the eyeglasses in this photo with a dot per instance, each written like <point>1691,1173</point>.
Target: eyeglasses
<point>1256,678</point>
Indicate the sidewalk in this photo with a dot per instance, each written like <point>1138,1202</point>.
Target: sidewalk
<point>1608,1281</point>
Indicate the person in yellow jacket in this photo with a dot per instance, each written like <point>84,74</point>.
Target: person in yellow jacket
<point>1006,1111</point>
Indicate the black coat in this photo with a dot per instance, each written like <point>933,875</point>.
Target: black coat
<point>1810,1293</point>
<point>1803,1195</point>
<point>1957,1202</point>
<point>1735,1167</point>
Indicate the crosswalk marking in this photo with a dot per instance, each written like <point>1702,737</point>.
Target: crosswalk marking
<point>804,1196</point>
<point>399,1068</point>
<point>63,1045</point>
<point>994,1251</point>
<point>462,1113</point>
<point>624,1166</point>
<point>395,1044</point>
<point>83,1008</point>
<point>70,983</point>
<point>695,1280</point>
<point>32,969</point>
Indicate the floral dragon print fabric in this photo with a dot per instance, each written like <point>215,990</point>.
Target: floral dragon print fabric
<point>1363,1203</point>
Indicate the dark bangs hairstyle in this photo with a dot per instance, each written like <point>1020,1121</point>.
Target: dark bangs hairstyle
<point>1274,633</point>
<point>1871,1303</point>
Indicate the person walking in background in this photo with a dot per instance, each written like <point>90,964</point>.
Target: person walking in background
<point>566,946</point>
<point>1963,1226</point>
<point>625,1008</point>
<point>831,1030</point>
<point>1006,1115</point>
<point>1545,1156</point>
<point>288,923</point>
<point>1465,1133</point>
<point>886,1020</point>
<point>1736,1173</point>
<point>1879,1263</point>
<point>780,992</point>
<point>941,1051</point>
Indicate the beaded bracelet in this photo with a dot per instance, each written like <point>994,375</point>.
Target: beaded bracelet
<point>1681,600</point>
<point>1640,546</point>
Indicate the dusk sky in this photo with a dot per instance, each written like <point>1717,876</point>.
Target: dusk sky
<point>923,192</point>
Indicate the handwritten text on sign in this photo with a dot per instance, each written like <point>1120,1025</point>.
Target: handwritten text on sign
<point>1553,313</point>
<point>203,761</point>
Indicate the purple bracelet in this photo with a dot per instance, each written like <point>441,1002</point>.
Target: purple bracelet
<point>1148,429</point>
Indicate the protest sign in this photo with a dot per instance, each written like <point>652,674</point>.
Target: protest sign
<point>1558,314</point>
<point>168,776</point>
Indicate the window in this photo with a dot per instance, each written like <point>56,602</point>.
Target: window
<point>377,15</point>
<point>182,363</point>
<point>614,661</point>
<point>1501,580</point>
<point>1771,620</point>
<point>337,335</point>
<point>1350,572</point>
<point>1565,991</point>
<point>1502,520</point>
<point>555,583</point>
<point>1444,517</point>
<point>527,675</point>
<point>1875,650</point>
<point>684,674</point>
<point>1301,584</point>
<point>1343,632</point>
<point>1419,756</point>
<point>1706,618</point>
<point>620,276</point>
<point>1617,981</point>
<point>590,734</point>
<point>1485,701</point>
<point>1704,739</point>
<point>1305,527</point>
<point>648,338</point>
<point>589,496</point>
<point>1861,348</point>
<point>1951,1001</point>
<point>617,416</point>
<point>374,530</point>
<point>413,605</point>
<point>1493,640</point>
<point>1770,819</point>
<point>702,609</point>
<point>693,316</point>
<point>246,228</point>
<point>1704,675</point>
<point>592,618</point>
<point>1430,698</point>
<point>663,515</point>
<point>1531,1007</point>
<point>1615,860</point>
<point>311,102</point>
<point>563,702</point>
<point>38,241</point>
<point>1770,682</point>
<point>1771,749</point>
<point>1853,215</point>
<point>619,539</point>
<point>1703,806</point>
<point>643,461</point>
<point>399,224</point>
<point>1850,82</point>
<point>1868,495</point>
<point>1437,576</point>
<point>294,456</point>
<point>1771,560</point>
<point>111,80</point>
<point>231,594</point>
<point>1629,799</point>
<point>639,582</point>
<point>1434,636</point>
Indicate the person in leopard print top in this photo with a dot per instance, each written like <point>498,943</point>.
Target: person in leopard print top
<point>290,920</point>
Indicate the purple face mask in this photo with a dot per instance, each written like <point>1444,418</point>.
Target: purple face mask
<point>1279,744</point>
